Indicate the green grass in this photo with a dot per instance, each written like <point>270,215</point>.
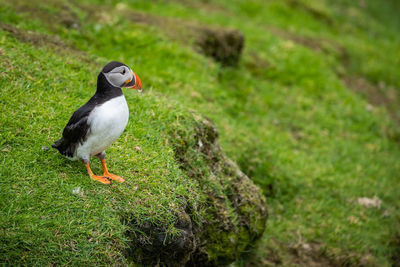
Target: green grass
<point>285,115</point>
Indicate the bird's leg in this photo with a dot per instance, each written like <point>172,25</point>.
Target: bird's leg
<point>110,175</point>
<point>101,179</point>
<point>106,173</point>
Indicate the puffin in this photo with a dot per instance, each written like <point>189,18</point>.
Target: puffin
<point>98,123</point>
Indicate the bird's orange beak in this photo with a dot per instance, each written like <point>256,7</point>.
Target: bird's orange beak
<point>134,83</point>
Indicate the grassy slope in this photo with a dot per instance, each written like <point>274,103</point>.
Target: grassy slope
<point>37,202</point>
<point>284,114</point>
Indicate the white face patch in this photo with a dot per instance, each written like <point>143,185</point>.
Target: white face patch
<point>118,76</point>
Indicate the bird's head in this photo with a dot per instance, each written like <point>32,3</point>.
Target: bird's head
<point>120,75</point>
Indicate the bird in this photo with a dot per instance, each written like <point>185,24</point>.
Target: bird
<point>94,126</point>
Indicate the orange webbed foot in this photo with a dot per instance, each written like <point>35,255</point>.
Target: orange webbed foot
<point>110,175</point>
<point>101,179</point>
<point>114,177</point>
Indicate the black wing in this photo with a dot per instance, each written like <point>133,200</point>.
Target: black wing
<point>76,130</point>
<point>77,127</point>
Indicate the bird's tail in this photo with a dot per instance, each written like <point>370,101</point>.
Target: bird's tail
<point>57,144</point>
<point>64,147</point>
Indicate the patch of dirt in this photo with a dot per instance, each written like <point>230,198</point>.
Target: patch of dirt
<point>60,13</point>
<point>205,5</point>
<point>317,14</point>
<point>377,95</point>
<point>39,40</point>
<point>144,18</point>
<point>316,44</point>
<point>32,37</point>
<point>310,254</point>
<point>257,65</point>
<point>300,254</point>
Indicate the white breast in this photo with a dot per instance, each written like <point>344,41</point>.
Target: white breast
<point>107,122</point>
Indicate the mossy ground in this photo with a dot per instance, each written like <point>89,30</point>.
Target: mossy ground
<point>287,114</point>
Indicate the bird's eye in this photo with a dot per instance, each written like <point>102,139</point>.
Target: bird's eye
<point>123,72</point>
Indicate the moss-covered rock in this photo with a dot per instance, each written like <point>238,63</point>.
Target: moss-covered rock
<point>234,216</point>
<point>223,45</point>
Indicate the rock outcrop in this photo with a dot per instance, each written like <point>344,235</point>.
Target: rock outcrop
<point>235,214</point>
